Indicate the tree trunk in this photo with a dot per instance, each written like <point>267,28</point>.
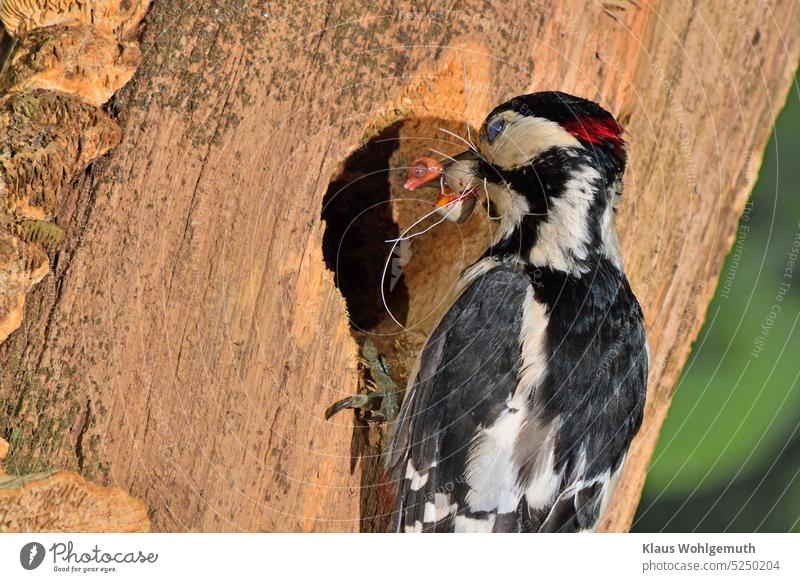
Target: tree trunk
<point>192,333</point>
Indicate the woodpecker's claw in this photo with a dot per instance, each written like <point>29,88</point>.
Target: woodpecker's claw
<point>378,406</point>
<point>381,403</point>
<point>356,402</point>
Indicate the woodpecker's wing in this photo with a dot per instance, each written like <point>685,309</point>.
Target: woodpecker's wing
<point>467,373</point>
<point>594,390</point>
<point>522,407</point>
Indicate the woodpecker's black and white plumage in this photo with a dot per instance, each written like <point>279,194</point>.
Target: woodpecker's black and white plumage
<point>526,395</point>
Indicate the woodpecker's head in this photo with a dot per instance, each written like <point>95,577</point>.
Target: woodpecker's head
<point>548,166</point>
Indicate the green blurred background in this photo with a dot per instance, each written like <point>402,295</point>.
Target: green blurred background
<point>728,458</point>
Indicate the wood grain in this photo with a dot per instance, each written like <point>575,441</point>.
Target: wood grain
<point>192,335</point>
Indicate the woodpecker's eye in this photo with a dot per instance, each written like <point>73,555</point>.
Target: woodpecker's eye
<point>494,129</point>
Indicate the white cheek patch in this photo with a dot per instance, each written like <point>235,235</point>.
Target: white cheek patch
<point>564,237</point>
<point>524,138</point>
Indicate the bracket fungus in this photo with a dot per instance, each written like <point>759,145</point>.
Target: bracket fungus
<point>48,138</point>
<point>22,266</point>
<point>64,501</point>
<point>118,18</point>
<point>71,59</point>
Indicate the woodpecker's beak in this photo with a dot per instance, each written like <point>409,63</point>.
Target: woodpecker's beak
<point>455,204</point>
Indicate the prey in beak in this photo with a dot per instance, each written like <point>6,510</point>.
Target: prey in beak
<point>456,182</point>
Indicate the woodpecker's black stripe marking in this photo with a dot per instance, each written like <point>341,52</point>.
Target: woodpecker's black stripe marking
<point>542,181</point>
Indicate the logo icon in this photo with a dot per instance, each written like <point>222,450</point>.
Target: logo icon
<point>31,555</point>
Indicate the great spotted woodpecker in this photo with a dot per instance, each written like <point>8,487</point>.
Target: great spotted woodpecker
<point>527,394</point>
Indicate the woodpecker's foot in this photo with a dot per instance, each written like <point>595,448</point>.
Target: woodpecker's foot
<point>381,402</point>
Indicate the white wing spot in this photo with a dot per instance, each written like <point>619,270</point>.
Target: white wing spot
<point>418,480</point>
<point>471,525</point>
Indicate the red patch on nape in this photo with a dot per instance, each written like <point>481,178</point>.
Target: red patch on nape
<point>596,130</point>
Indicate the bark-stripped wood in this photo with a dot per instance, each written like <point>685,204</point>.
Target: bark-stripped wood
<point>192,336</point>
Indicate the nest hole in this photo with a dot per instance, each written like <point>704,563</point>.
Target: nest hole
<point>358,215</point>
<point>364,207</point>
<point>393,291</point>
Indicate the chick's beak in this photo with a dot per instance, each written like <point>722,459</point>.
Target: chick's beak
<point>423,171</point>
<point>456,205</point>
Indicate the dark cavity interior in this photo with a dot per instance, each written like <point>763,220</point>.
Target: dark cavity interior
<point>358,214</point>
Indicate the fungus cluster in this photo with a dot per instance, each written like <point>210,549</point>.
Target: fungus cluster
<point>67,60</point>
